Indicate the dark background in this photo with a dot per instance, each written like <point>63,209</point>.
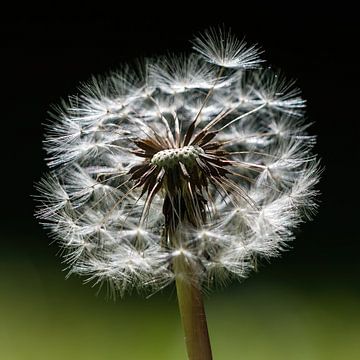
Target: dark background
<point>43,59</point>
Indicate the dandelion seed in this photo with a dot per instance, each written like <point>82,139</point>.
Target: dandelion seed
<point>185,174</point>
<point>221,47</point>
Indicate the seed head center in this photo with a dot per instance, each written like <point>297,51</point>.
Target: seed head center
<point>171,157</point>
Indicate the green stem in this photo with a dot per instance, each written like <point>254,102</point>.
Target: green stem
<point>192,311</point>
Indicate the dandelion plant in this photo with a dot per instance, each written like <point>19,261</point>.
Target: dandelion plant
<point>186,169</point>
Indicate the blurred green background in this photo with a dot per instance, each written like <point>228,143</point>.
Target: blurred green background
<point>305,305</point>
<point>276,314</point>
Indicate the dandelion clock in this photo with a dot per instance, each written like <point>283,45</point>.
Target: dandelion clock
<point>184,171</point>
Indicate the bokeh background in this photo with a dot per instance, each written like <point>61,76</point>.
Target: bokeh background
<point>303,306</point>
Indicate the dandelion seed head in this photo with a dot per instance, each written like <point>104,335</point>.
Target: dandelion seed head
<point>202,157</point>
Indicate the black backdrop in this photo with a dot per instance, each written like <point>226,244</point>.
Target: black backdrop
<point>45,57</point>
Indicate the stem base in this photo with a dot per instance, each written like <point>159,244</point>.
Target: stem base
<point>192,311</point>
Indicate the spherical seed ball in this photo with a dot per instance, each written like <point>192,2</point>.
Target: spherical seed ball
<point>205,156</point>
